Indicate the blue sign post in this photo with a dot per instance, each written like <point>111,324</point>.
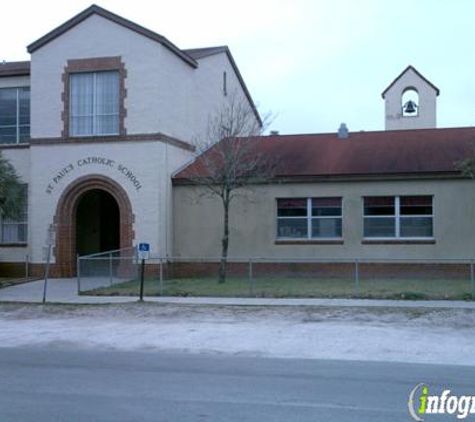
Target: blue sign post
<point>144,253</point>
<point>144,250</point>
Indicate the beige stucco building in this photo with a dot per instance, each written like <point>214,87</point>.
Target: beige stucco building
<point>95,130</point>
<point>103,136</point>
<point>390,195</point>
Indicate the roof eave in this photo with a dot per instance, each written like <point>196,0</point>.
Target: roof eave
<point>347,177</point>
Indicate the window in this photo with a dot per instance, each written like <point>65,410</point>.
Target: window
<point>398,217</point>
<point>16,231</point>
<point>94,103</point>
<point>309,218</point>
<point>14,115</point>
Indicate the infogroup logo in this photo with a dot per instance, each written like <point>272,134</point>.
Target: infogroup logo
<point>421,403</point>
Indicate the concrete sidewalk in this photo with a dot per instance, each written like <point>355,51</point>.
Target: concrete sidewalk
<point>65,291</point>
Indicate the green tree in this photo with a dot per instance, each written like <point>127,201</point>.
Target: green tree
<point>10,190</point>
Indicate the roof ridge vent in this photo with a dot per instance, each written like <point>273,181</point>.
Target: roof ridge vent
<point>343,131</point>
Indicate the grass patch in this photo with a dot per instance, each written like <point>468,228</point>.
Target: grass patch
<point>296,288</point>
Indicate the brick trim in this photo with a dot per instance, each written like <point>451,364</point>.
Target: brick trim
<point>310,242</point>
<point>65,219</point>
<point>399,242</point>
<point>315,270</point>
<point>13,269</point>
<point>139,137</point>
<point>14,146</point>
<point>94,64</point>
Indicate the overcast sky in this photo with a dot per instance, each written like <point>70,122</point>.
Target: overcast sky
<point>315,63</point>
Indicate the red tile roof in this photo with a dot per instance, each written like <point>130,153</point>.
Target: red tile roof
<point>14,68</point>
<point>422,152</point>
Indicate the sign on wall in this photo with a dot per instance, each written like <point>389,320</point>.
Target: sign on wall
<point>64,173</point>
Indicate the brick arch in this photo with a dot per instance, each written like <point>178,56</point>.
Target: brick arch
<point>65,219</point>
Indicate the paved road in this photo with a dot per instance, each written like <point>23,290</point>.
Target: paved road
<point>43,385</point>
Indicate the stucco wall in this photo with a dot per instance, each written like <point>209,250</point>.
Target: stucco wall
<point>208,97</point>
<point>157,81</point>
<point>426,117</point>
<point>198,222</point>
<point>146,160</point>
<point>164,93</point>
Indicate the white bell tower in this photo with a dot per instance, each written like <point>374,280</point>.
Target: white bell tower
<point>410,102</point>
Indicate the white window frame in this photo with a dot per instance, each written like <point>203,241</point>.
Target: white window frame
<point>309,218</point>
<point>18,125</point>
<point>397,216</point>
<point>94,107</point>
<point>4,222</point>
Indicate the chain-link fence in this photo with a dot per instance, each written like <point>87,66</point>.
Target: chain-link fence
<point>117,273</point>
<point>106,269</point>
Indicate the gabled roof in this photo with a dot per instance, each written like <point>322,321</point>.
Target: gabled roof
<point>417,73</point>
<point>14,68</point>
<point>201,53</point>
<point>96,10</point>
<point>382,154</point>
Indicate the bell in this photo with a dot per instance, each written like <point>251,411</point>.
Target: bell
<point>410,107</point>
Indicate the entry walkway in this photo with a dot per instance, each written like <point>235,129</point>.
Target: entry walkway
<point>64,290</point>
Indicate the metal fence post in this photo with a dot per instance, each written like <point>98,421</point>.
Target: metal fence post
<point>78,272</point>
<point>251,279</point>
<point>27,266</point>
<point>472,280</point>
<point>137,264</point>
<point>110,269</point>
<point>161,277</point>
<point>357,278</point>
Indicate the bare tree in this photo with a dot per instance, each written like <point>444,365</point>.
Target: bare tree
<point>230,163</point>
<point>10,189</point>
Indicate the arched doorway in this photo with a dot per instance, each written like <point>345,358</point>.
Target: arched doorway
<point>97,223</point>
<point>94,214</point>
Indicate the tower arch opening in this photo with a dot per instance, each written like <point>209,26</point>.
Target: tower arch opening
<point>410,102</point>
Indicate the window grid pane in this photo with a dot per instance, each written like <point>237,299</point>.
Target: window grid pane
<point>416,205</point>
<point>14,115</point>
<point>416,227</point>
<point>292,207</point>
<point>326,227</point>
<point>295,228</point>
<point>94,103</point>
<point>307,218</point>
<point>107,103</point>
<point>380,227</point>
<point>411,217</point>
